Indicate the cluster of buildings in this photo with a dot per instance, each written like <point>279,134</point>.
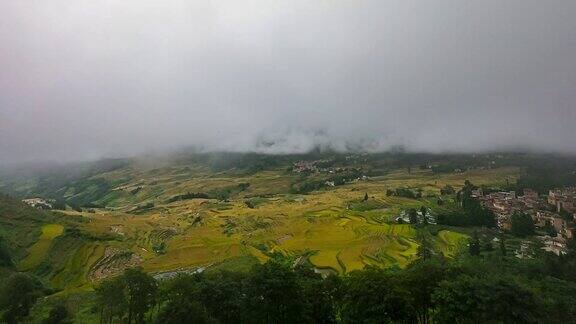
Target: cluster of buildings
<point>318,166</point>
<point>304,166</point>
<point>38,203</point>
<point>545,212</point>
<point>426,217</point>
<point>563,199</point>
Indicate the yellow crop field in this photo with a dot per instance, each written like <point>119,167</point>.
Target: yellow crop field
<point>37,251</point>
<point>331,228</point>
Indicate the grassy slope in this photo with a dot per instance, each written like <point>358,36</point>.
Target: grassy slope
<point>21,225</point>
<point>40,244</point>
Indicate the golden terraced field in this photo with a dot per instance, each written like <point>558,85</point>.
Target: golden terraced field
<point>325,228</point>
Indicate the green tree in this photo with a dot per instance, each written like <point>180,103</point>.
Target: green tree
<point>421,278</point>
<point>522,225</point>
<point>424,211</point>
<point>333,289</point>
<point>425,251</point>
<point>474,245</point>
<point>141,289</point>
<point>375,296</point>
<point>272,294</point>
<point>413,216</point>
<point>59,204</point>
<point>474,213</point>
<point>468,299</point>
<point>487,245</point>
<point>319,296</point>
<point>111,299</point>
<point>487,218</point>
<point>566,215</point>
<point>447,190</point>
<point>58,315</point>
<point>182,300</point>
<point>183,310</point>
<point>18,296</point>
<point>549,229</point>
<point>222,295</point>
<point>502,244</point>
<point>5,257</point>
<point>425,248</point>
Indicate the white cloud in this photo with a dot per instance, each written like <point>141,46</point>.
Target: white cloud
<point>84,79</point>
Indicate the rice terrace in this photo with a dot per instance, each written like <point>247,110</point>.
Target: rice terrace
<point>149,221</point>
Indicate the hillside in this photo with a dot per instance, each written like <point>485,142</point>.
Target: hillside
<point>46,244</point>
<point>186,210</point>
<point>233,211</point>
<point>331,213</point>
<point>21,225</point>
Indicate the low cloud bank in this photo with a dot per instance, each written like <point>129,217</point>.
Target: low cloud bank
<point>84,79</point>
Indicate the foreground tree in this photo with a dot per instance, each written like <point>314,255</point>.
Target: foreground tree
<point>184,310</point>
<point>375,296</point>
<point>111,299</point>
<point>487,244</point>
<point>474,245</point>
<point>222,295</point>
<point>502,245</point>
<point>467,299</point>
<point>186,299</point>
<point>18,296</point>
<point>5,257</point>
<point>273,294</point>
<point>422,278</point>
<point>58,315</point>
<point>425,248</point>
<point>142,290</point>
<point>319,296</point>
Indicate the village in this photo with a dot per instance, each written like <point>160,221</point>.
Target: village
<point>39,203</point>
<point>553,215</point>
<point>320,166</point>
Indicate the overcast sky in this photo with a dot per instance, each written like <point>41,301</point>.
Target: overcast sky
<point>84,79</point>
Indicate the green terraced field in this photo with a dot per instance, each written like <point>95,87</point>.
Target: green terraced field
<point>449,242</point>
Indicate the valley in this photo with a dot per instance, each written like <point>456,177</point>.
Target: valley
<point>147,219</point>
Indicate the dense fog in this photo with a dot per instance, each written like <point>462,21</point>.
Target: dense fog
<point>90,79</point>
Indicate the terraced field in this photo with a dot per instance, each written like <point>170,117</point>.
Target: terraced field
<point>449,242</point>
<point>334,229</point>
<point>330,227</point>
<point>38,251</point>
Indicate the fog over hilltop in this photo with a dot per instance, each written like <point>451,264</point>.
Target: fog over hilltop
<point>89,79</point>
